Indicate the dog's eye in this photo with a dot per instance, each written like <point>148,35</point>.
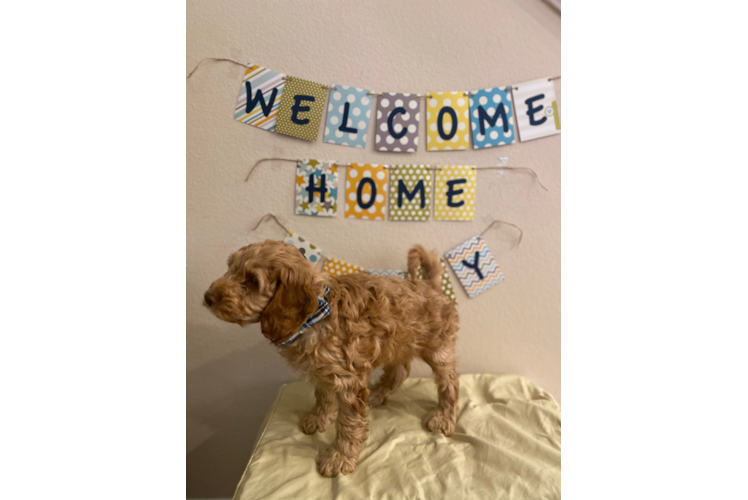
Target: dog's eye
<point>252,280</point>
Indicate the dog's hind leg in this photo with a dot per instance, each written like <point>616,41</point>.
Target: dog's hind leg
<point>391,380</point>
<point>444,418</point>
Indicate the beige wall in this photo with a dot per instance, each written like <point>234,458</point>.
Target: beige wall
<point>233,374</point>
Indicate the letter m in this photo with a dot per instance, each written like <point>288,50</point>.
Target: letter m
<point>402,189</point>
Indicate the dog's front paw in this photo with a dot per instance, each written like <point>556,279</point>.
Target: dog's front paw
<point>376,398</point>
<point>331,463</point>
<point>312,423</point>
<point>438,421</point>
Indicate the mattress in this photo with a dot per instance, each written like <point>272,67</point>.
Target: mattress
<point>507,445</point>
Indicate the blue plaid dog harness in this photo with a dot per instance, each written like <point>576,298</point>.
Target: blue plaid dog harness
<point>323,310</point>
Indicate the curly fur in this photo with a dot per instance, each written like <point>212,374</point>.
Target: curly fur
<point>374,320</point>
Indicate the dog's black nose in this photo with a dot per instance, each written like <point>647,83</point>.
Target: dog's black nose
<point>210,298</point>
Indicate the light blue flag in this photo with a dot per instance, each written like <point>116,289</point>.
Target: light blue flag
<point>348,116</point>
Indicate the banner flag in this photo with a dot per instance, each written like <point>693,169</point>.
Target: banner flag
<point>366,192</point>
<point>455,193</point>
<point>447,121</point>
<point>260,97</point>
<point>474,266</point>
<point>339,268</point>
<point>348,114</point>
<point>316,188</point>
<point>398,116</point>
<point>537,110</point>
<point>492,117</point>
<point>446,282</point>
<point>410,192</point>
<point>301,108</point>
<point>309,251</point>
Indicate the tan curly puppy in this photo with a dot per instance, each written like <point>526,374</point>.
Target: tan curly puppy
<point>373,320</point>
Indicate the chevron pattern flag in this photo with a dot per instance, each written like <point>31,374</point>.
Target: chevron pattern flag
<point>474,266</point>
<point>388,272</point>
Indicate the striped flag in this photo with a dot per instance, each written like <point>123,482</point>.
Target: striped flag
<point>474,266</point>
<point>536,109</point>
<point>260,97</point>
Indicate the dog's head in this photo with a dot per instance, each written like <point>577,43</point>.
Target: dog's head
<point>269,282</point>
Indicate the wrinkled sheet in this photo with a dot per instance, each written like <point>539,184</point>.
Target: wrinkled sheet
<point>507,444</point>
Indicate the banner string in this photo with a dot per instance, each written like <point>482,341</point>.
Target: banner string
<point>332,87</point>
<point>271,216</point>
<point>390,167</point>
<point>519,240</point>
<point>266,159</point>
<point>215,59</point>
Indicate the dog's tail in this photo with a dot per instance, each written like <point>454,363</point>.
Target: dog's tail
<point>429,264</point>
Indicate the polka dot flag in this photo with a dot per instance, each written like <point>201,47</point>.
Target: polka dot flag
<point>310,252</point>
<point>307,111</point>
<point>366,192</point>
<point>492,117</point>
<point>410,180</point>
<point>446,282</point>
<point>455,193</point>
<point>398,116</point>
<point>447,121</point>
<point>339,268</point>
<point>353,106</point>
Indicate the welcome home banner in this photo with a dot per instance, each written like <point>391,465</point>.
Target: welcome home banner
<point>378,192</point>
<point>456,120</point>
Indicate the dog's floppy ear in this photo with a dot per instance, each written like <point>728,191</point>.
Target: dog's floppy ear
<point>294,301</point>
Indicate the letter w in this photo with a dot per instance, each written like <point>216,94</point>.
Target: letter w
<point>251,103</point>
